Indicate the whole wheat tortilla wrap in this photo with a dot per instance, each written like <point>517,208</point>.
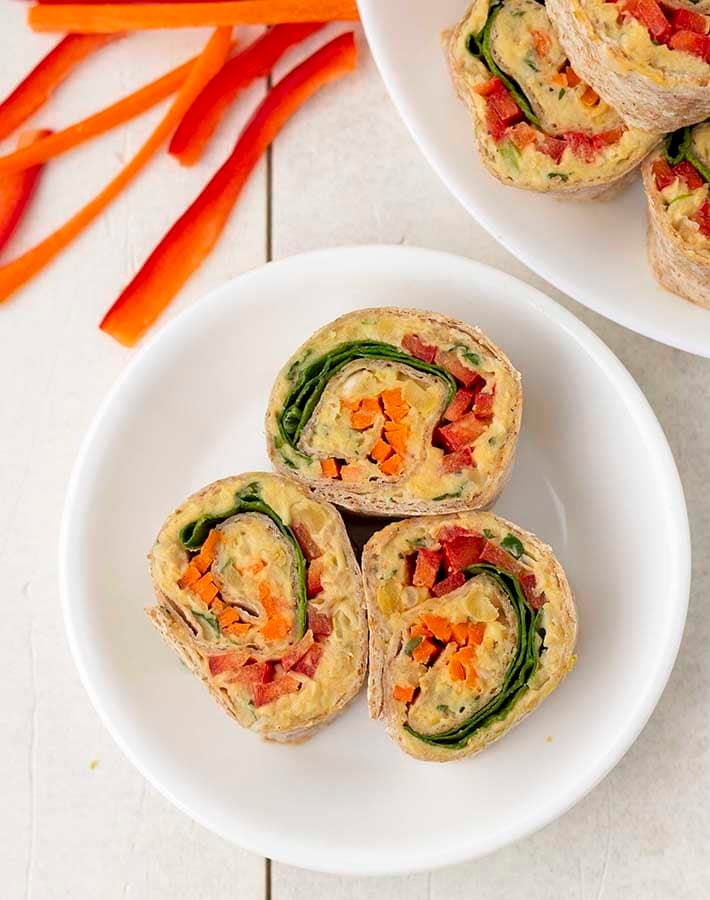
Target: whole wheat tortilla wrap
<point>261,596</point>
<point>650,62</point>
<point>537,125</point>
<point>676,179</point>
<point>395,411</point>
<point>472,625</point>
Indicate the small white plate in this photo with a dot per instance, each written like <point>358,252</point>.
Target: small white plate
<point>594,477</point>
<point>593,251</point>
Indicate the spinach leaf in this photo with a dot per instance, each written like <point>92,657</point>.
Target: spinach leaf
<point>193,535</point>
<point>515,682</point>
<point>450,496</point>
<point>487,533</point>
<point>679,149</point>
<point>512,545</point>
<point>479,45</point>
<point>303,397</point>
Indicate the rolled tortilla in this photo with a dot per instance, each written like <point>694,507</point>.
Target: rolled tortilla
<point>472,625</point>
<point>537,126</point>
<point>259,593</point>
<point>397,412</point>
<point>675,179</point>
<point>649,65</point>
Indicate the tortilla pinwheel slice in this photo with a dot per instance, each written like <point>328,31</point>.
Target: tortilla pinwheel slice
<point>676,179</point>
<point>259,593</point>
<point>472,625</point>
<point>649,60</point>
<point>397,412</point>
<point>538,126</point>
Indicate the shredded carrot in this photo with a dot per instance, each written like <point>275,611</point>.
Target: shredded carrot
<point>396,407</point>
<point>589,97</point>
<point>404,693</point>
<point>123,110</point>
<point>362,419</point>
<point>350,472</point>
<point>424,652</point>
<point>459,631</point>
<point>190,576</point>
<point>396,434</point>
<point>205,557</point>
<point>268,601</point>
<point>34,90</point>
<point>380,451</point>
<point>393,465</point>
<point>371,405</point>
<point>110,17</point>
<point>419,628</point>
<point>329,468</point>
<point>227,617</point>
<point>217,606</point>
<point>20,270</point>
<point>471,676</point>
<point>439,627</point>
<point>237,628</point>
<point>476,630</point>
<point>205,588</point>
<point>350,405</point>
<point>542,42</point>
<point>559,79</point>
<point>464,655</point>
<point>275,628</point>
<point>456,670</point>
<point>573,78</point>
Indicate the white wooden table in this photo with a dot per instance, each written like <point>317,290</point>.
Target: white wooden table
<point>76,820</point>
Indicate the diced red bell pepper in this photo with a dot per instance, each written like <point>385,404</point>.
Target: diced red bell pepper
<point>582,145</point>
<point>310,549</point>
<point>689,174</point>
<point>460,434</point>
<point>607,138</point>
<point>702,217</point>
<point>255,673</point>
<point>552,147</point>
<point>650,14</point>
<point>496,556</point>
<point>185,246</point>
<point>663,173</point>
<point>319,623</point>
<point>496,126</point>
<point>314,583</point>
<point>255,61</point>
<point>687,20</point>
<point>450,583</point>
<point>460,459</point>
<point>427,567</point>
<point>483,408</point>
<point>462,551</point>
<point>690,42</point>
<point>298,650</point>
<point>17,188</point>
<point>459,405</point>
<point>413,344</point>
<point>308,663</point>
<point>468,377</point>
<point>449,532</point>
<point>528,584</point>
<point>227,662</point>
<point>502,103</point>
<point>267,693</point>
<point>489,87</point>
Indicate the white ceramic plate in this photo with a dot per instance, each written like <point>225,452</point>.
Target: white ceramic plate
<point>595,252</point>
<point>594,477</point>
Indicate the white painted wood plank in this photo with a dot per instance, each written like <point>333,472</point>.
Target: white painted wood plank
<point>70,831</point>
<point>349,173</point>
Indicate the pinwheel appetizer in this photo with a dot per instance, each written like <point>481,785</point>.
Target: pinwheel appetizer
<point>472,625</point>
<point>538,126</point>
<point>395,411</point>
<point>260,594</point>
<point>649,60</point>
<point>676,182</point>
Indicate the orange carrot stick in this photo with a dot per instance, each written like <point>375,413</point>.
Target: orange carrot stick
<point>34,90</point>
<point>20,270</point>
<point>122,111</point>
<point>196,232</point>
<point>109,17</point>
<point>16,191</point>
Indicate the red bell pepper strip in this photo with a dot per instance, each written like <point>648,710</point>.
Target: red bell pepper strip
<point>256,61</point>
<point>195,233</point>
<point>16,190</point>
<point>24,267</point>
<point>34,90</point>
